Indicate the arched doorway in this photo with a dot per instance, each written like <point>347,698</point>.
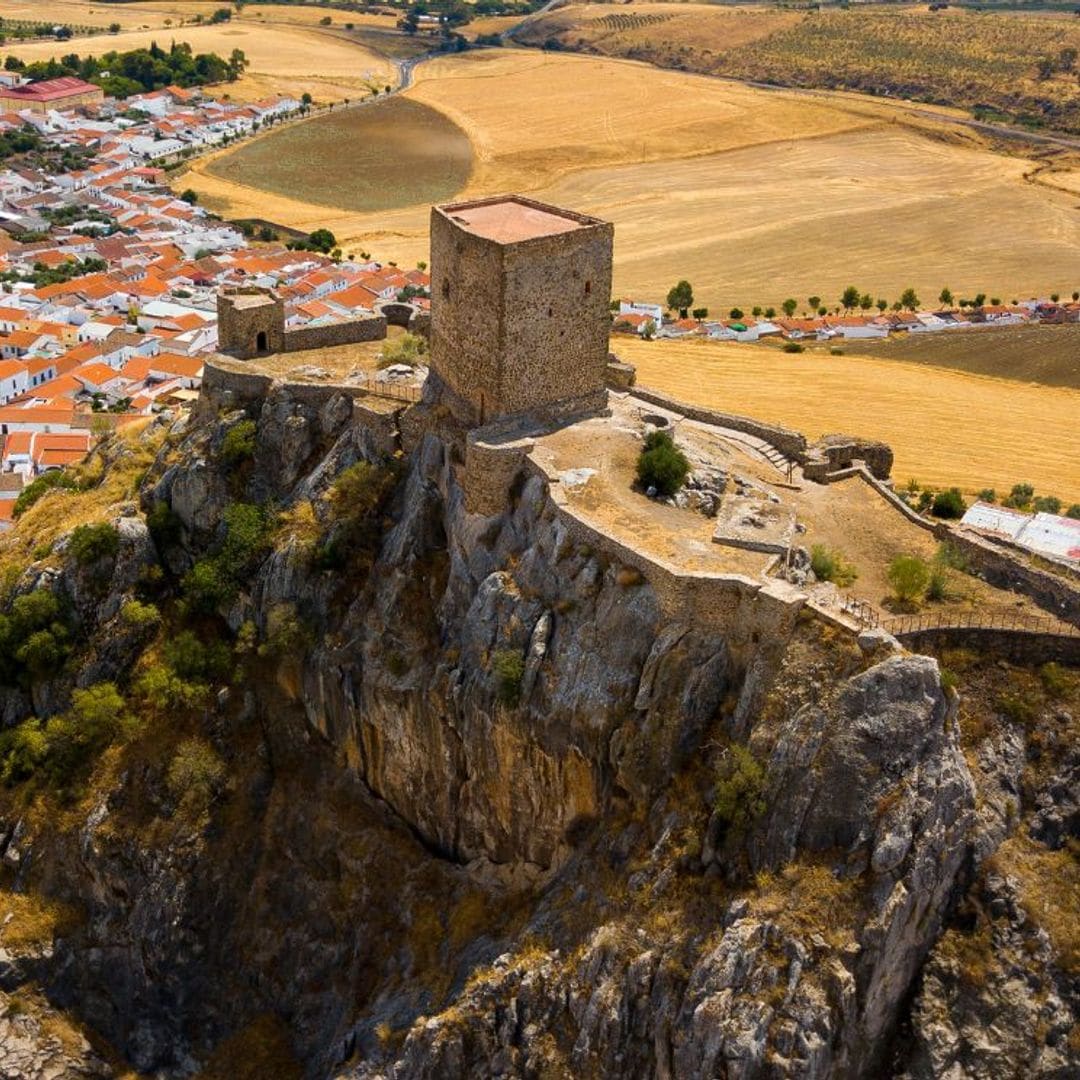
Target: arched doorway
<point>261,342</point>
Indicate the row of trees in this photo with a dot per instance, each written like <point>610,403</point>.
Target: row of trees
<point>680,298</point>
<point>121,74</point>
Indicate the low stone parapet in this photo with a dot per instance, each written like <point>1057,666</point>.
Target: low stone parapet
<point>790,443</point>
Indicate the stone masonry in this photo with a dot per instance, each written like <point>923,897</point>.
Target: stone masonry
<point>251,322</point>
<point>519,309</point>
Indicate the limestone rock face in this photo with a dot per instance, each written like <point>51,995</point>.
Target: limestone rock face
<point>476,821</point>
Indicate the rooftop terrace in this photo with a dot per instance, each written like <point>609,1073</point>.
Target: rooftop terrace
<point>508,220</point>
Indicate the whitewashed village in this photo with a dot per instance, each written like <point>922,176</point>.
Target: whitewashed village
<point>110,280</point>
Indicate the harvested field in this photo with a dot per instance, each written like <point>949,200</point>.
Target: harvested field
<point>401,153</point>
<point>751,195</point>
<point>282,59</point>
<point>945,427</point>
<point>984,61</point>
<point>1040,354</point>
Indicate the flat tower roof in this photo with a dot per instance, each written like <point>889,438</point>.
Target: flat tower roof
<point>509,219</point>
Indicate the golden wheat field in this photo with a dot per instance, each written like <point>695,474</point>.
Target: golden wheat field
<point>752,195</point>
<point>282,59</point>
<point>945,427</point>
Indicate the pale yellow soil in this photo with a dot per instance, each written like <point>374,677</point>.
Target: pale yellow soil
<point>946,428</point>
<point>751,195</point>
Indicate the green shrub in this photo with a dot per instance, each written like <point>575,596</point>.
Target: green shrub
<point>196,774</point>
<point>68,743</point>
<point>949,504</point>
<point>361,490</point>
<point>247,538</point>
<point>1020,497</point>
<point>206,587</point>
<point>238,445</point>
<point>509,668</point>
<point>215,580</point>
<point>1073,512</point>
<point>988,495</point>
<point>34,638</point>
<point>836,351</point>
<point>937,587</point>
<point>829,564</point>
<point>1016,707</point>
<point>407,349</point>
<point>50,481</point>
<point>908,575</point>
<point>164,692</point>
<point>136,615</point>
<point>951,556</point>
<point>740,789</point>
<point>286,633</point>
<point>926,500</point>
<point>1056,681</point>
<point>1047,504</point>
<point>196,660</point>
<point>661,464</point>
<point>90,544</point>
<point>42,653</point>
<point>794,347</point>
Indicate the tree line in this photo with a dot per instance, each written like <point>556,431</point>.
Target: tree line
<point>121,74</point>
<point>680,298</point>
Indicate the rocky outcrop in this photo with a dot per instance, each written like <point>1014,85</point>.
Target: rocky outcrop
<point>481,816</point>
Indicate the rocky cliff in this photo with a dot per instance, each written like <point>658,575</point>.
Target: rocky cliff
<point>309,771</point>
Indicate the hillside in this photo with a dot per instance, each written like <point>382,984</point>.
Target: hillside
<point>1010,66</point>
<point>311,772</point>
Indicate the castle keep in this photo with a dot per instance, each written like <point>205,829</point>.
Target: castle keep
<point>519,309</point>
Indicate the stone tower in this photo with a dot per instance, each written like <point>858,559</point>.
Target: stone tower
<point>519,309</point>
<point>251,322</point>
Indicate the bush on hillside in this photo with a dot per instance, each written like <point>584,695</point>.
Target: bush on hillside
<point>740,789</point>
<point>196,774</point>
<point>238,445</point>
<point>92,543</point>
<point>949,504</point>
<point>908,576</point>
<point>661,464</point>
<point>829,564</point>
<point>509,668</point>
<point>50,481</point>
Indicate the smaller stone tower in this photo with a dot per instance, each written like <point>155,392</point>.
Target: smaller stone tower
<point>251,322</point>
<point>519,309</point>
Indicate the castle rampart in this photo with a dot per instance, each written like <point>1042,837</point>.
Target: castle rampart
<point>251,322</point>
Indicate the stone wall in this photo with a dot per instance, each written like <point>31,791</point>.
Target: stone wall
<point>835,453</point>
<point>396,312</point>
<point>223,390</point>
<point>788,442</point>
<point>490,471</point>
<point>620,376</point>
<point>1050,591</point>
<point>1019,646</point>
<point>251,322</point>
<point>368,328</point>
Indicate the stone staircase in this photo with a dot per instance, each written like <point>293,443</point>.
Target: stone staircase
<point>762,450</point>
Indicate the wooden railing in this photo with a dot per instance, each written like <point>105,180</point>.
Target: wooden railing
<point>867,615</point>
